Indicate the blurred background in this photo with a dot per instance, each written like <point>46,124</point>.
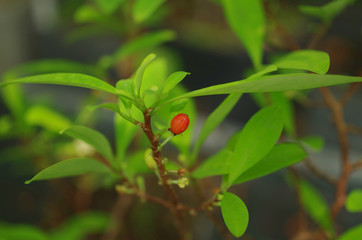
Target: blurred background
<point>56,32</point>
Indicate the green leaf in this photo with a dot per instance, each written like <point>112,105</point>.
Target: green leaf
<point>315,205</point>
<point>21,232</point>
<point>310,60</point>
<point>144,42</point>
<point>141,70</point>
<point>274,83</point>
<point>286,107</point>
<point>281,156</point>
<point>93,138</point>
<point>316,143</point>
<point>109,6</point>
<point>69,168</point>
<point>69,79</point>
<point>153,81</point>
<point>87,13</point>
<point>143,9</point>
<point>78,227</point>
<point>135,164</point>
<point>328,11</point>
<point>235,214</point>
<point>47,118</point>
<point>124,131</point>
<point>173,80</point>
<point>246,18</point>
<point>257,138</point>
<point>352,233</point>
<point>214,120</point>
<point>218,164</point>
<point>354,201</point>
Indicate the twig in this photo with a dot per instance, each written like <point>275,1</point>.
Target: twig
<point>153,139</point>
<point>320,32</point>
<point>341,127</point>
<point>287,38</point>
<point>329,179</point>
<point>354,129</point>
<point>118,214</point>
<point>349,93</point>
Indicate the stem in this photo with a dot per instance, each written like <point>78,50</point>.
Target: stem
<point>153,139</point>
<point>341,127</point>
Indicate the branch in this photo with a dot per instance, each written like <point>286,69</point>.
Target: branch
<point>319,173</point>
<point>341,127</point>
<point>349,93</point>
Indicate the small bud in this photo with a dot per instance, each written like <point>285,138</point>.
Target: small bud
<point>182,182</point>
<point>149,159</point>
<point>179,123</point>
<point>181,172</point>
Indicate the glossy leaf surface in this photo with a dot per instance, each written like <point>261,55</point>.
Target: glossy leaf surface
<point>93,138</point>
<point>235,214</point>
<point>69,168</point>
<point>257,138</point>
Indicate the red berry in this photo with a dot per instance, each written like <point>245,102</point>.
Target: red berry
<point>179,123</point>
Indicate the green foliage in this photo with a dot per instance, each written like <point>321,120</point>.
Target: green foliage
<point>354,201</point>
<point>143,9</point>
<point>47,118</point>
<point>142,43</point>
<point>315,143</point>
<point>21,232</point>
<point>310,60</point>
<point>328,11</point>
<point>93,138</point>
<point>79,226</point>
<point>274,83</point>
<point>70,79</point>
<point>173,80</point>
<point>70,168</point>
<point>214,120</point>
<point>140,71</point>
<point>315,205</point>
<point>109,6</point>
<point>246,18</point>
<point>281,156</point>
<point>352,234</point>
<point>235,214</point>
<point>218,164</point>
<point>257,138</point>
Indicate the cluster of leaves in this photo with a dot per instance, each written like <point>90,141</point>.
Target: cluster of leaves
<point>253,152</point>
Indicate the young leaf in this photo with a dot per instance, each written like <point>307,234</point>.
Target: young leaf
<point>21,232</point>
<point>246,18</point>
<point>235,214</point>
<point>214,120</point>
<point>328,11</point>
<point>69,79</point>
<point>143,9</point>
<point>69,168</point>
<point>114,108</point>
<point>286,107</point>
<point>257,138</point>
<point>310,60</point>
<point>81,225</point>
<point>125,132</point>
<point>109,6</point>
<point>354,201</point>
<point>274,83</point>
<point>315,205</point>
<point>173,80</point>
<point>314,142</point>
<point>141,70</point>
<point>93,138</point>
<point>218,164</point>
<point>144,42</point>
<point>47,118</point>
<point>281,156</point>
<point>87,13</point>
<point>352,233</point>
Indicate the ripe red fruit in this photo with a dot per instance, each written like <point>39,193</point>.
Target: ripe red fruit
<point>179,123</point>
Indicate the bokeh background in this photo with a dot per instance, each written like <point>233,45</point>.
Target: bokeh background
<point>205,46</point>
